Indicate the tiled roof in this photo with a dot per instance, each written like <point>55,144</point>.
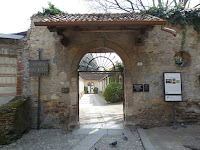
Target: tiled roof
<point>101,17</point>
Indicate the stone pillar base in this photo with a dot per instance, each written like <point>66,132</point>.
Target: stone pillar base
<point>73,125</point>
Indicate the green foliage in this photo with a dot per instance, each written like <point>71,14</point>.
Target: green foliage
<point>85,88</point>
<point>113,92</point>
<point>178,60</point>
<point>119,66</point>
<point>177,15</point>
<point>183,39</point>
<point>52,10</point>
<point>96,90</point>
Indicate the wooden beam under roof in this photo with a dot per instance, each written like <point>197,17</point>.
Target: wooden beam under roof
<point>99,28</point>
<point>92,23</point>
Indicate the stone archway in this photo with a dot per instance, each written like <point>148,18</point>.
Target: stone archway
<point>94,45</point>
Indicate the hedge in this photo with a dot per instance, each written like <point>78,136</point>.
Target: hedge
<point>113,93</point>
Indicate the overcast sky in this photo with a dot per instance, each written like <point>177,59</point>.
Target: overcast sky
<point>15,14</point>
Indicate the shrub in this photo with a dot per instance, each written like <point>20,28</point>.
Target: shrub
<point>95,90</point>
<point>86,89</point>
<point>52,10</point>
<point>113,92</point>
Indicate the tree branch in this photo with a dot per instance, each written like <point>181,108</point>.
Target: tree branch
<point>196,5</point>
<point>154,3</point>
<point>117,3</point>
<point>141,3</point>
<point>185,2</point>
<point>131,4</point>
<point>175,2</point>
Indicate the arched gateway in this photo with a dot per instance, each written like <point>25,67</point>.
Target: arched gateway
<point>108,46</point>
<point>66,38</point>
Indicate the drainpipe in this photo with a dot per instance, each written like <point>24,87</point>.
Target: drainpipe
<point>168,30</point>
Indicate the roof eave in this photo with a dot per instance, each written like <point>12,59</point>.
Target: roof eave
<point>91,23</point>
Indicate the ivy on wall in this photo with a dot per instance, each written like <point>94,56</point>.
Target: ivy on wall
<point>177,15</point>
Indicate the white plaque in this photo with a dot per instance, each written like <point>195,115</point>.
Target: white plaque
<point>172,83</point>
<point>173,98</point>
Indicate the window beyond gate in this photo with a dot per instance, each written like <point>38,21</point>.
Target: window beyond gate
<point>97,62</point>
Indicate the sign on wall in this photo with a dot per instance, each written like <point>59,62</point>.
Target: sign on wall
<point>172,86</point>
<point>39,67</point>
<point>137,87</point>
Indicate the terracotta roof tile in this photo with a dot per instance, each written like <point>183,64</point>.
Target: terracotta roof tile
<point>101,17</point>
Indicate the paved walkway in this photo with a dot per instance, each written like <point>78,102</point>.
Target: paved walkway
<point>166,138</point>
<point>95,112</point>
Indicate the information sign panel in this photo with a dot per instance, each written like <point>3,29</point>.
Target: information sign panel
<point>172,83</point>
<point>173,98</point>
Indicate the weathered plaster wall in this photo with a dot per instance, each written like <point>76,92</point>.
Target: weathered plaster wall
<point>81,87</point>
<point>156,52</point>
<point>13,69</point>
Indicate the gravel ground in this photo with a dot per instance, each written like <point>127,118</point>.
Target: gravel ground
<point>45,139</point>
<point>57,139</point>
<point>165,138</point>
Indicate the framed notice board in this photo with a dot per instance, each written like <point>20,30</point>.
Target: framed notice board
<point>172,86</point>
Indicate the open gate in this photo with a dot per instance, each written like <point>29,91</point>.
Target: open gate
<point>100,65</point>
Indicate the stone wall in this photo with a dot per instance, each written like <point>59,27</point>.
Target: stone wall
<point>157,55</point>
<point>55,105</point>
<point>15,119</point>
<point>156,52</point>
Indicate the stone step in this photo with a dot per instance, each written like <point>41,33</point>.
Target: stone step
<point>88,142</point>
<point>98,131</point>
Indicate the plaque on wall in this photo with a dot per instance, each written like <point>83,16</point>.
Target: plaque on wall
<point>137,87</point>
<point>38,67</point>
<point>65,90</point>
<point>146,87</point>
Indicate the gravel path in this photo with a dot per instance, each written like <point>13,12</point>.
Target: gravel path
<point>45,139</point>
<point>57,139</point>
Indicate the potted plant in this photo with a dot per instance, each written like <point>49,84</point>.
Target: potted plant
<point>182,59</point>
<point>95,90</point>
<point>178,60</point>
<point>85,89</point>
